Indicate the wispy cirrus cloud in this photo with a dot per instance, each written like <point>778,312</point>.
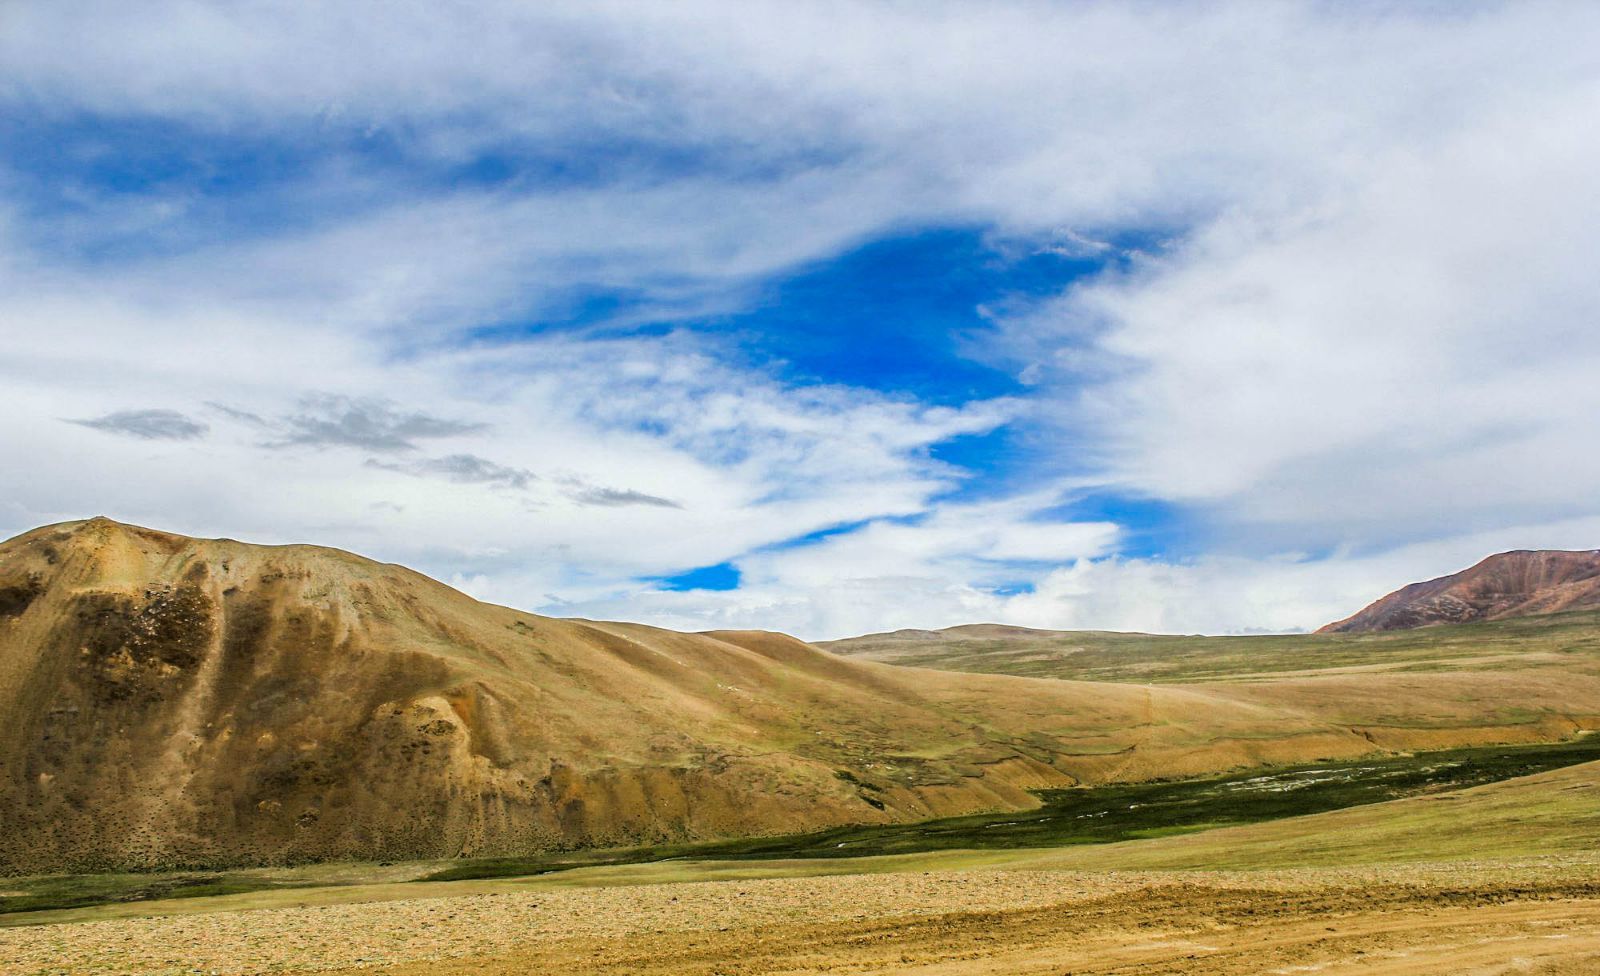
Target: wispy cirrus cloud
<point>149,425</point>
<point>368,424</point>
<point>465,469</point>
<point>616,498</point>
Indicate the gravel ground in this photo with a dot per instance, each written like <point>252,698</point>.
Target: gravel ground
<point>575,927</point>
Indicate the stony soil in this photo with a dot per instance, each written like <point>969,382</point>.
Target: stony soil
<point>1538,916</point>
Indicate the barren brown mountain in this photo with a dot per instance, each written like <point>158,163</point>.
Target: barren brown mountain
<point>171,701</point>
<point>1510,584</point>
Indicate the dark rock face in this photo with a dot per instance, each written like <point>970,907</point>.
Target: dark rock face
<point>17,595</point>
<point>1511,584</point>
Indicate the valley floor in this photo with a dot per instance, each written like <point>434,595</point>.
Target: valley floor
<point>1539,915</point>
<point>1502,878</point>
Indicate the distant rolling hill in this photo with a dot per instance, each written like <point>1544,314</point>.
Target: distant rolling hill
<point>1090,655</point>
<point>1525,585</point>
<point>1511,584</point>
<point>171,701</point>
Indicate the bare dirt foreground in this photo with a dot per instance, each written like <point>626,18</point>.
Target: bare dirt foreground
<point>1529,916</point>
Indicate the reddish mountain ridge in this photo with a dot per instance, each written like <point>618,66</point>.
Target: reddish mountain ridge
<point>1511,584</point>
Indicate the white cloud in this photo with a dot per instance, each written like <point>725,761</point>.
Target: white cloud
<point>1372,334</point>
<point>1414,356</point>
<point>588,432</point>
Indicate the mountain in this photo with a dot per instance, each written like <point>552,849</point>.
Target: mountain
<point>1511,584</point>
<point>176,701</point>
<point>179,702</point>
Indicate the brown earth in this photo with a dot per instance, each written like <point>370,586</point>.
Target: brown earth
<point>1510,584</point>
<point>1524,917</point>
<point>179,702</point>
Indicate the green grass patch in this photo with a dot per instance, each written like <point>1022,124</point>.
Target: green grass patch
<point>82,890</point>
<point>1105,814</point>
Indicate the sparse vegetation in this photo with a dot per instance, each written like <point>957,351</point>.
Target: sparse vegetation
<point>1068,818</point>
<point>79,890</point>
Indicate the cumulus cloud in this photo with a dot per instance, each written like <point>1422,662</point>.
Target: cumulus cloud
<point>149,425</point>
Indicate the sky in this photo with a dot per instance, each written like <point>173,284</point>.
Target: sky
<point>828,318</point>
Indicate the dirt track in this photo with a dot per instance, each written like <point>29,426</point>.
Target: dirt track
<point>1522,919</point>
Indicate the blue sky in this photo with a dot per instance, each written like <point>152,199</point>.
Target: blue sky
<point>1172,318</point>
